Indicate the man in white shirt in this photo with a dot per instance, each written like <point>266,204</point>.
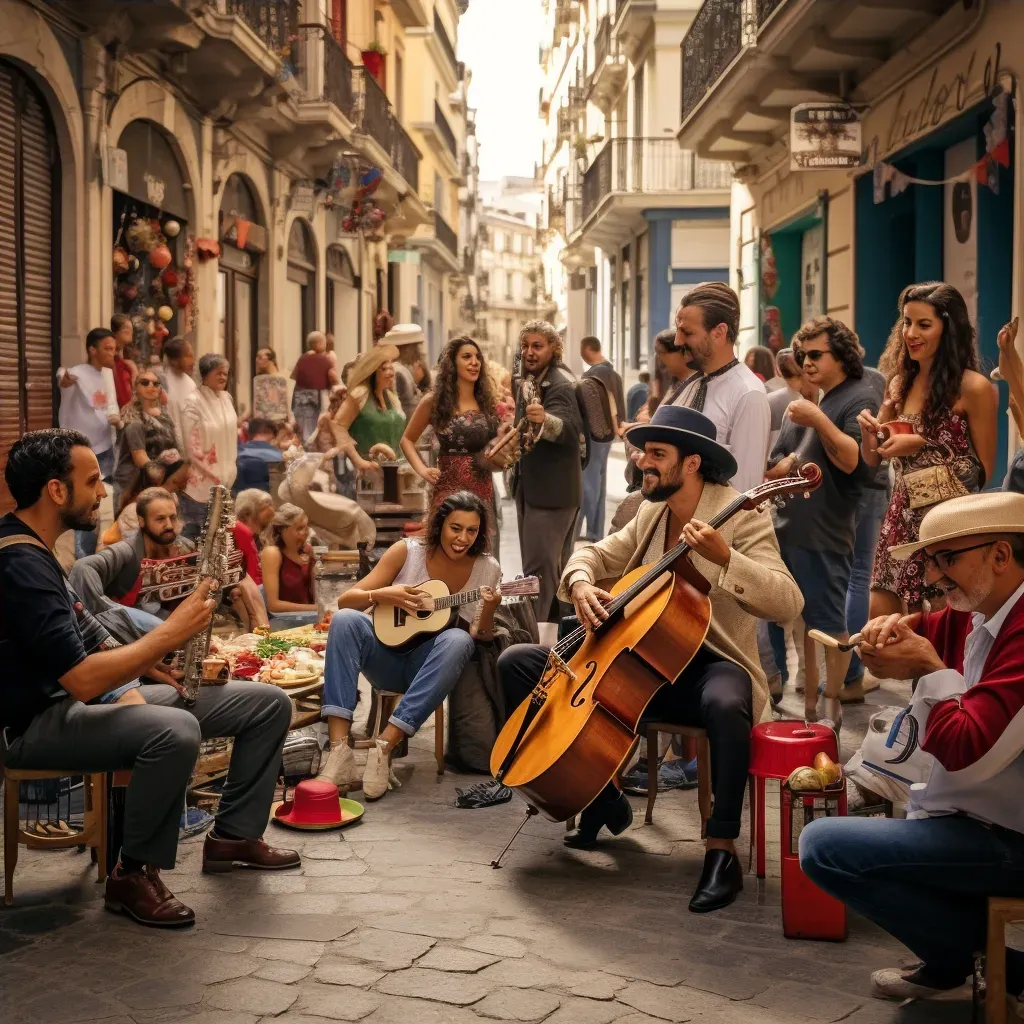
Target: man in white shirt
<point>926,879</point>
<point>726,391</point>
<point>180,385</point>
<point>88,404</point>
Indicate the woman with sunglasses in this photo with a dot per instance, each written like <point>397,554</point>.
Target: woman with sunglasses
<point>148,430</point>
<point>941,440</point>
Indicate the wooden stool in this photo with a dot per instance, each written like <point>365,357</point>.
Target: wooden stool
<point>93,834</point>
<point>1001,911</point>
<point>387,701</point>
<point>703,768</point>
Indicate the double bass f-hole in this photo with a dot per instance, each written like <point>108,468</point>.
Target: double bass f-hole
<point>577,701</point>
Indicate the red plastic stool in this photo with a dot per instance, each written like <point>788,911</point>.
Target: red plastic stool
<point>776,748</point>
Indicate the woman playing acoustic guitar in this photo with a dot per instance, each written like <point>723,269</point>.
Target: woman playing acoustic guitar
<point>455,552</point>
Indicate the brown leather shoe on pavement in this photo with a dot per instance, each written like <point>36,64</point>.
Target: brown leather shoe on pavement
<point>145,898</point>
<point>225,854</point>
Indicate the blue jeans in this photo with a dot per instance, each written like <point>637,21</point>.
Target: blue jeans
<point>870,513</point>
<point>146,621</point>
<point>926,882</point>
<point>595,489</point>
<point>424,675</point>
<point>86,540</point>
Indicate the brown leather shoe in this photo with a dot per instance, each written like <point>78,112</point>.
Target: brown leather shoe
<point>144,898</point>
<point>225,854</point>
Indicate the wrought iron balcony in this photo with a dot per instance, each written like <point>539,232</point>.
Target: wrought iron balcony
<point>711,43</point>
<point>577,98</point>
<point>648,166</point>
<point>441,122</point>
<point>566,123</point>
<point>376,118</point>
<point>446,43</point>
<point>276,22</point>
<point>445,234</point>
<point>765,9</point>
<point>609,74</point>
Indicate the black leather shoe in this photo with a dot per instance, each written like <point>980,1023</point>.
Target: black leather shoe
<point>720,882</point>
<point>617,815</point>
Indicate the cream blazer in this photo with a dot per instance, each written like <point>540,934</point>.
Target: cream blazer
<point>754,585</point>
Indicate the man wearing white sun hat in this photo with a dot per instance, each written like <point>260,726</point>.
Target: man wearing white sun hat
<point>408,339</point>
<point>926,879</point>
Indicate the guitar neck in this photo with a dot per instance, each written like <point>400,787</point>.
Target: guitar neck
<point>457,600</point>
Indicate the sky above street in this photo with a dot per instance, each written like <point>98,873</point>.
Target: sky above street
<point>498,39</point>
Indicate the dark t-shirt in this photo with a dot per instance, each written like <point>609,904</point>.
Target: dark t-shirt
<point>155,434</point>
<point>311,371</point>
<point>606,374</point>
<point>40,635</point>
<point>827,520</point>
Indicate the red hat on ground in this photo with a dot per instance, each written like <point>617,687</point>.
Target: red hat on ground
<point>316,805</point>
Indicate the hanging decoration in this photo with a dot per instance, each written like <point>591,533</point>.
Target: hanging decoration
<point>191,303</point>
<point>347,189</point>
<point>985,170</point>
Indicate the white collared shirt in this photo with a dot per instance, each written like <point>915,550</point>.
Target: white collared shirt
<point>738,406</point>
<point>983,635</point>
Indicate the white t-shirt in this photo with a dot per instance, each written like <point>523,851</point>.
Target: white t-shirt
<point>86,404</point>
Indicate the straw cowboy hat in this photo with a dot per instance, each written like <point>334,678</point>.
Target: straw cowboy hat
<point>369,363</point>
<point>969,516</point>
<point>688,430</point>
<point>403,334</point>
<point>316,807</point>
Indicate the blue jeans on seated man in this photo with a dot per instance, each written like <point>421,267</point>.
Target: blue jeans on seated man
<point>870,513</point>
<point>424,675</point>
<point>925,881</point>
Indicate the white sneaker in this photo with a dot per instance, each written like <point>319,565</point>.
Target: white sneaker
<point>377,774</point>
<point>893,983</point>
<point>340,769</point>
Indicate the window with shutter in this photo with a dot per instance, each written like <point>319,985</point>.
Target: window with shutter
<point>28,238</point>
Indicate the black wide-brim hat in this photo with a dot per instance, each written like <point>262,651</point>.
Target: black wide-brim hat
<point>690,431</point>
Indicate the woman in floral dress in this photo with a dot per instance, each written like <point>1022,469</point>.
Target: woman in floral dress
<point>462,410</point>
<point>931,362</point>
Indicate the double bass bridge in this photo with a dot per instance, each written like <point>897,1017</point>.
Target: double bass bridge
<point>555,667</point>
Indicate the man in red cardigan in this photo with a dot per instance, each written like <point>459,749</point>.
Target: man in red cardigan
<point>926,879</point>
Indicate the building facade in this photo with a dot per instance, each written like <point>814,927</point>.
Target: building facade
<point>631,219</point>
<point>934,194</point>
<point>233,171</point>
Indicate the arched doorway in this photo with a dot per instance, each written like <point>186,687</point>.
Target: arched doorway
<point>30,181</point>
<point>300,304</point>
<point>243,239</point>
<point>342,303</point>
<point>151,214</point>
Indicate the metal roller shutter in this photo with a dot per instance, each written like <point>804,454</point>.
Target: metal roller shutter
<point>28,272</point>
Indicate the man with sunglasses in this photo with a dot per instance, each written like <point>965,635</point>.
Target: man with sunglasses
<point>816,536</point>
<point>926,879</point>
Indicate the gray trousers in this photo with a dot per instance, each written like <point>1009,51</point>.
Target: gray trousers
<point>546,541</point>
<point>159,743</point>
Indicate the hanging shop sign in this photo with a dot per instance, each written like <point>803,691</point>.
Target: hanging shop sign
<point>115,172</point>
<point>403,256</point>
<point>824,136</point>
<point>302,199</point>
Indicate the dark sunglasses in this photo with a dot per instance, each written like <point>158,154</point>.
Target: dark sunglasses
<point>814,354</point>
<point>149,383</point>
<point>942,560</point>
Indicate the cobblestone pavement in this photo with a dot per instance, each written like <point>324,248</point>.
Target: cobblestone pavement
<point>402,919</point>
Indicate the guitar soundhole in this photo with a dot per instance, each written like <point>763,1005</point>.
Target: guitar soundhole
<point>422,613</point>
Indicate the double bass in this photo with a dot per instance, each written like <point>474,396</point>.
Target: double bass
<point>569,739</point>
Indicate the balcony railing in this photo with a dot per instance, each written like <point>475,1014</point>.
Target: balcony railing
<point>338,74</point>
<point>445,234</point>
<point>566,123</point>
<point>602,42</point>
<point>765,9</point>
<point>577,97</point>
<point>648,165</point>
<point>377,119</point>
<point>276,22</point>
<point>441,122</point>
<point>709,46</point>
<point>446,44</point>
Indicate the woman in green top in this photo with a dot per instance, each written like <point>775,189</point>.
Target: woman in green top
<point>371,415</point>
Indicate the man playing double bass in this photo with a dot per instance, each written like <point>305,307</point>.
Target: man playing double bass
<point>722,689</point>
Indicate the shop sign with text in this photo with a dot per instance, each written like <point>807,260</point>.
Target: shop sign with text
<point>823,136</point>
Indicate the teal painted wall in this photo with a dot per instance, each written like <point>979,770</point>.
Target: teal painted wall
<point>786,245</point>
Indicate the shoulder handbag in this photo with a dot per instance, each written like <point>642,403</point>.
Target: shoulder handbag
<point>932,484</point>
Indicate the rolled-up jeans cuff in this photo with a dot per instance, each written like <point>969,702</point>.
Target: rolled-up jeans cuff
<point>113,695</point>
<point>722,829</point>
<point>409,730</point>
<point>333,711</point>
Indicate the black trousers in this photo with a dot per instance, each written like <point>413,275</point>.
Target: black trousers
<point>712,694</point>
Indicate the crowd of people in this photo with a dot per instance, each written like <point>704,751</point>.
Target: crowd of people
<point>905,555</point>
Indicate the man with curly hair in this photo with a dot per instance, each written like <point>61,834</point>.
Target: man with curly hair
<point>816,535</point>
<point>548,485</point>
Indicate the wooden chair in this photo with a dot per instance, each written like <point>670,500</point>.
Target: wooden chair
<point>93,834</point>
<point>703,767</point>
<point>1001,911</point>
<point>384,707</point>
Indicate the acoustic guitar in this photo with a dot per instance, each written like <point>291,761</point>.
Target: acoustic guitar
<point>396,627</point>
<point>566,741</point>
